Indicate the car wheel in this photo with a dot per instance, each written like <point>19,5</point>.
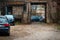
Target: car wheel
<point>7,34</point>
<point>13,24</point>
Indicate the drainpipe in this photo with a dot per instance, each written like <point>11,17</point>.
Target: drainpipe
<point>6,10</point>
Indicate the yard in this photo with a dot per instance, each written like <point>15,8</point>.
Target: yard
<point>33,32</point>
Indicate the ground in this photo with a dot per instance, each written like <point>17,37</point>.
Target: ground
<point>33,32</point>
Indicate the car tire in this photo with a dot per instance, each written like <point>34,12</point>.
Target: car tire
<point>12,24</point>
<point>7,34</point>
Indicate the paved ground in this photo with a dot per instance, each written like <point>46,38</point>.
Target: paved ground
<point>33,32</point>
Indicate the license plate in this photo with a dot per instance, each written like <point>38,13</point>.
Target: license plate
<point>1,26</point>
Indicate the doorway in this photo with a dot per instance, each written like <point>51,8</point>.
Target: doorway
<point>16,11</point>
<point>38,12</point>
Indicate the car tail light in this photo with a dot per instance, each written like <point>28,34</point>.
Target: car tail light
<point>6,25</point>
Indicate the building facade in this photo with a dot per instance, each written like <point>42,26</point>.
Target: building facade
<point>58,11</point>
<point>24,9</point>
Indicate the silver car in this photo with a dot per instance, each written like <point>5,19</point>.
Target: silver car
<point>10,19</point>
<point>4,26</point>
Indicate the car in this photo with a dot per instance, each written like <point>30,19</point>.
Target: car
<point>41,18</point>
<point>34,18</point>
<point>10,19</point>
<point>37,18</point>
<point>4,26</point>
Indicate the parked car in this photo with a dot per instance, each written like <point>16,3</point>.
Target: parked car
<point>41,19</point>
<point>34,18</point>
<point>10,19</point>
<point>37,18</point>
<point>4,26</point>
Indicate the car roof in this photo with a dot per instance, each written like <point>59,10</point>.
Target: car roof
<point>2,16</point>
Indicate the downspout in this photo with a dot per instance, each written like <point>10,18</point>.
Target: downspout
<point>5,10</point>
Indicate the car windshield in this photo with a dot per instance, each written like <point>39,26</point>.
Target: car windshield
<point>3,20</point>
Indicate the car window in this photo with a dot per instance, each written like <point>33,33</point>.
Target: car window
<point>9,16</point>
<point>3,20</point>
<point>2,17</point>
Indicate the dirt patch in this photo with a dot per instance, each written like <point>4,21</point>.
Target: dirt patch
<point>33,32</point>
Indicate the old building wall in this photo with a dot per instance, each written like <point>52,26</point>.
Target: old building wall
<point>58,11</point>
<point>52,11</point>
<point>50,8</point>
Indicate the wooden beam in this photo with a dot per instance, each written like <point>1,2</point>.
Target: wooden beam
<point>15,3</point>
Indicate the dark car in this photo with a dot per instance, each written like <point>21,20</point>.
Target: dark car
<point>4,26</point>
<point>34,18</point>
<point>37,18</point>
